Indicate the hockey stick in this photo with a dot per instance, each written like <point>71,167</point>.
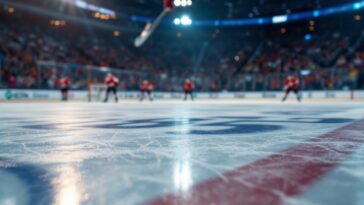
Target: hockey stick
<point>149,29</point>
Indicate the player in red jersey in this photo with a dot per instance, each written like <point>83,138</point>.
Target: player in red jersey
<point>188,88</point>
<point>146,87</point>
<point>291,83</point>
<point>64,84</point>
<point>112,83</point>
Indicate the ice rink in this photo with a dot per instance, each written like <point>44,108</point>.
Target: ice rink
<point>254,153</point>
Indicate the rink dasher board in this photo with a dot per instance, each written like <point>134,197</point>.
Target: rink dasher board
<point>83,95</point>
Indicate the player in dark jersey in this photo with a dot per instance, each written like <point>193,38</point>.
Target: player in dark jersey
<point>112,83</point>
<point>188,88</point>
<point>64,84</point>
<point>291,84</point>
<point>146,87</point>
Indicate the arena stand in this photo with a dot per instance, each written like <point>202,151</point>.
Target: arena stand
<point>34,57</point>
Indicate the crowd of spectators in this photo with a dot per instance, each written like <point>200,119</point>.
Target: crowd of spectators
<point>35,56</point>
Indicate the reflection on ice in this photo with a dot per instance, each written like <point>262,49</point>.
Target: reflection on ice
<point>182,176</point>
<point>182,166</point>
<point>69,189</point>
<point>182,125</point>
<point>8,201</point>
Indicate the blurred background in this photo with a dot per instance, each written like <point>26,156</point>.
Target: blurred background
<point>222,45</point>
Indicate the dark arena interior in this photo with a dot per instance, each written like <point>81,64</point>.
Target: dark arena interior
<point>181,102</point>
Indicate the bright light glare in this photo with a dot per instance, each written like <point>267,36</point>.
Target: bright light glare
<point>279,19</point>
<point>88,6</point>
<point>182,3</point>
<point>177,3</point>
<point>185,20</point>
<point>177,21</point>
<point>308,37</point>
<point>358,5</point>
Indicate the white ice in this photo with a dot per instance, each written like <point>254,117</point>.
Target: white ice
<point>129,153</point>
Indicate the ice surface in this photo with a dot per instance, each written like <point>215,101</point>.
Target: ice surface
<point>79,153</point>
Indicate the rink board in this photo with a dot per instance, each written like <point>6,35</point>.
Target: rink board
<point>83,95</point>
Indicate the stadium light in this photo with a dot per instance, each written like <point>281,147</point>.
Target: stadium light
<point>316,13</point>
<point>184,21</point>
<point>117,33</point>
<point>279,19</point>
<point>308,37</point>
<point>177,21</point>
<point>358,5</point>
<point>91,7</point>
<point>305,72</point>
<point>81,4</point>
<point>11,10</point>
<point>182,3</point>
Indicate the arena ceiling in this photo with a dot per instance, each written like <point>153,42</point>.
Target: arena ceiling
<point>201,9</point>
<point>207,9</point>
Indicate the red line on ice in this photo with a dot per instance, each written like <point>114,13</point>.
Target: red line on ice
<point>285,174</point>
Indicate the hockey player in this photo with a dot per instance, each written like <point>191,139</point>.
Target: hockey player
<point>112,83</point>
<point>146,87</point>
<point>64,84</point>
<point>291,83</point>
<point>188,88</point>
